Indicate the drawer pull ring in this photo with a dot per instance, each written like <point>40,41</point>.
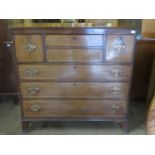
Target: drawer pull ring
<point>115,108</point>
<point>33,90</point>
<point>30,47</point>
<point>31,72</point>
<point>115,90</point>
<point>116,71</point>
<point>35,107</point>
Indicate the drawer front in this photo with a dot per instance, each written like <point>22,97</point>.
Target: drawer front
<point>74,40</point>
<point>74,108</point>
<point>29,48</point>
<point>74,55</point>
<point>74,90</point>
<point>119,48</point>
<point>75,72</point>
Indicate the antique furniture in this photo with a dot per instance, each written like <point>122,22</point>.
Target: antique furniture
<point>151,102</point>
<point>144,53</point>
<point>73,73</point>
<point>8,81</point>
<point>151,89</point>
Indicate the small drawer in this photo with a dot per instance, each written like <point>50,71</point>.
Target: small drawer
<point>75,90</point>
<point>29,48</point>
<point>74,55</point>
<point>74,40</point>
<point>75,108</point>
<point>75,72</point>
<point>119,48</point>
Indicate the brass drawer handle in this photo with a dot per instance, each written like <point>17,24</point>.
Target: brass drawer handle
<point>115,89</point>
<point>116,71</point>
<point>119,45</point>
<point>31,72</point>
<point>115,108</point>
<point>34,90</point>
<point>35,107</point>
<point>30,47</point>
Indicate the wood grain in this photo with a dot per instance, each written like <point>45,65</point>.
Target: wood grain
<point>8,81</point>
<point>75,90</point>
<point>74,40</point>
<point>115,56</point>
<point>21,42</point>
<point>144,54</point>
<point>75,72</point>
<point>74,55</point>
<point>75,80</point>
<point>75,108</point>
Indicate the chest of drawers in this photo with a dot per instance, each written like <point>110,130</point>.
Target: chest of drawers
<point>80,74</point>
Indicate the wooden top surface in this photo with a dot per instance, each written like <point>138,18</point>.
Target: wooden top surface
<point>51,25</point>
<point>67,28</point>
<point>75,26</point>
<point>146,40</point>
<point>60,25</point>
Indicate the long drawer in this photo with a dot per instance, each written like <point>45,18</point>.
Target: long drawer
<point>75,55</point>
<point>74,90</point>
<point>75,72</point>
<point>74,40</point>
<point>74,108</point>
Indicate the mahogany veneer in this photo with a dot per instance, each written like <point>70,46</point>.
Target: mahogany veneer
<point>74,73</point>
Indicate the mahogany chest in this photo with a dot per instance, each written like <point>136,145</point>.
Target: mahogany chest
<point>73,73</point>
